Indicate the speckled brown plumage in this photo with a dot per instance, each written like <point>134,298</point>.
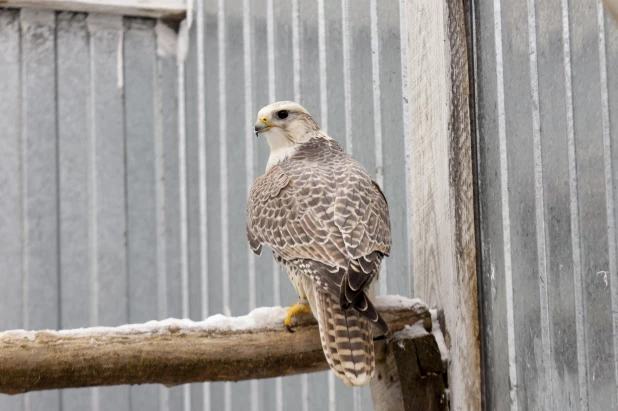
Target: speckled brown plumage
<point>327,223</point>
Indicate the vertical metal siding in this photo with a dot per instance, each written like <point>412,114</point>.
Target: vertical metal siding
<point>39,183</point>
<point>11,210</point>
<point>262,83</point>
<point>73,99</point>
<point>86,206</point>
<point>124,177</point>
<point>125,174</point>
<point>547,180</point>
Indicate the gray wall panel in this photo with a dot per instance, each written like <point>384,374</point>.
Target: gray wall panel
<point>495,356</point>
<point>73,72</point>
<point>523,254</point>
<point>236,288</point>
<point>552,108</point>
<point>543,73</point>
<point>39,156</point>
<point>591,196</point>
<point>97,167</point>
<point>285,89</point>
<point>171,302</point>
<point>334,104</point>
<point>262,84</point>
<point>358,79</point>
<point>393,161</point>
<point>11,210</point>
<point>194,240</point>
<point>142,202</point>
<point>309,56</point>
<point>611,137</point>
<point>215,123</point>
<point>107,188</point>
<point>311,92</point>
<point>125,169</point>
<point>359,103</point>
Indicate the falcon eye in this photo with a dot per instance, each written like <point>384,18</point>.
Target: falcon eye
<point>282,114</point>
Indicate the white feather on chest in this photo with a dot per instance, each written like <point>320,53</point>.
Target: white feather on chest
<point>281,146</point>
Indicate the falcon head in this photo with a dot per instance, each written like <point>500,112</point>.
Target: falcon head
<point>285,124</point>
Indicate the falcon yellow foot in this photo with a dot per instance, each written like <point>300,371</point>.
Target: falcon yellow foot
<point>294,310</point>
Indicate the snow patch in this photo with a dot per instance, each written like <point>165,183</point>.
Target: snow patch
<point>183,34</point>
<point>418,330</point>
<point>167,40</point>
<point>260,318</point>
<point>394,302</point>
<point>437,333</point>
<point>411,331</point>
<point>120,62</point>
<point>182,42</point>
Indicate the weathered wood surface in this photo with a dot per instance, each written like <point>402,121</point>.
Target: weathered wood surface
<point>444,254</point>
<point>170,9</point>
<point>48,360</point>
<point>409,376</point>
<point>612,6</point>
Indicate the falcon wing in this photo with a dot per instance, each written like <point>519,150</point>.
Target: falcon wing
<point>321,206</point>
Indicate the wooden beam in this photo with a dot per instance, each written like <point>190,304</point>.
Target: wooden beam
<point>175,352</point>
<point>168,9</point>
<point>612,6</point>
<point>409,375</point>
<point>444,251</point>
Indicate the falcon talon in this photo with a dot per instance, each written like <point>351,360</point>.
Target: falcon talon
<point>290,330</point>
<point>293,311</point>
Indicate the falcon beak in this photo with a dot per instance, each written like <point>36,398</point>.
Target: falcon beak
<point>262,125</point>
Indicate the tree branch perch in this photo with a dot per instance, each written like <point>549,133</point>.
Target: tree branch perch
<point>173,352</point>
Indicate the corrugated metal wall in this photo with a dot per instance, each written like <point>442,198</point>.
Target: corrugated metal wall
<point>342,61</point>
<point>123,179</point>
<point>89,205</point>
<point>547,111</point>
<point>124,175</point>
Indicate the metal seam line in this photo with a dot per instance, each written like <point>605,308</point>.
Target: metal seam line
<point>298,97</point>
<point>322,64</point>
<point>249,160</point>
<point>223,176</point>
<point>324,119</point>
<point>270,34</point>
<point>540,209</point>
<point>202,166</point>
<point>406,141</point>
<point>24,187</point>
<point>574,207</point>
<point>609,187</point>
<point>506,230</point>
<point>377,119</point>
<point>160,202</point>
<point>92,206</point>
<point>182,193</point>
<point>347,81</point>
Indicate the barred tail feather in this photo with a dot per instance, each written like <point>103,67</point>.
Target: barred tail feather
<point>347,340</point>
<point>366,309</point>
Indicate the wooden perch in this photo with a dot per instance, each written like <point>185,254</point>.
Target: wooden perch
<point>165,353</point>
<point>409,375</point>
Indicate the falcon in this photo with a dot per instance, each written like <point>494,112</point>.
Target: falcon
<point>327,223</point>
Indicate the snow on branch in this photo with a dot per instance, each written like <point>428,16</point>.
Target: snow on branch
<point>173,351</point>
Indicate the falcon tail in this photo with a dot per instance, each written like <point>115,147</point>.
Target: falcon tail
<point>347,340</point>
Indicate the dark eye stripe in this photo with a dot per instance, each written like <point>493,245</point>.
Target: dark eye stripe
<point>282,114</point>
